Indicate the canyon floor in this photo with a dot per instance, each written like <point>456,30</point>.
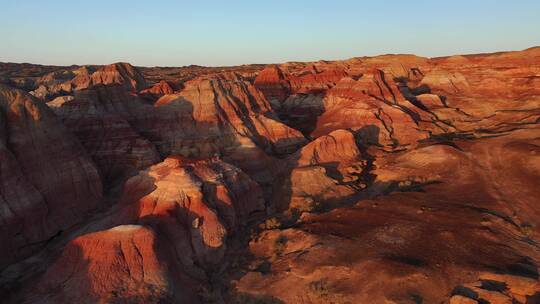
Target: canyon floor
<point>387,179</point>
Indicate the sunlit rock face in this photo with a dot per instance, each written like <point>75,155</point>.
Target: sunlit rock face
<point>63,82</point>
<point>326,170</point>
<point>222,115</point>
<point>273,84</point>
<point>164,241</point>
<point>127,263</point>
<point>158,90</point>
<point>229,107</point>
<point>47,180</point>
<point>387,179</point>
<point>197,204</point>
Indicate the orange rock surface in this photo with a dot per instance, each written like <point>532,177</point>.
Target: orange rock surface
<point>126,263</point>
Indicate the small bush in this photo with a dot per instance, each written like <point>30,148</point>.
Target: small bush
<point>272,223</point>
<point>320,288</point>
<point>280,244</point>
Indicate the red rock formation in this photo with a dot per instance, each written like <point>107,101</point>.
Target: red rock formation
<point>450,231</point>
<point>65,81</point>
<point>100,117</point>
<point>415,182</point>
<point>195,203</point>
<point>53,84</point>
<point>221,114</point>
<point>277,85</point>
<point>113,124</point>
<point>119,73</point>
<point>312,81</point>
<point>273,84</point>
<point>333,164</point>
<point>47,182</point>
<point>158,90</point>
<point>128,264</point>
<point>372,103</point>
<point>188,209</point>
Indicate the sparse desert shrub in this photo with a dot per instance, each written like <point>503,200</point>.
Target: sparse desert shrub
<point>319,288</point>
<point>317,206</point>
<point>527,229</point>
<point>280,244</point>
<point>272,223</point>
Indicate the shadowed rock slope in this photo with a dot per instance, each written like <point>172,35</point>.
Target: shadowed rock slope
<point>48,182</point>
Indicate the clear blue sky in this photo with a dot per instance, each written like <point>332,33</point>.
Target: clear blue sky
<point>173,33</point>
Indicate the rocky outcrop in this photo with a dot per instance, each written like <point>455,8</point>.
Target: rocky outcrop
<point>220,114</point>
<point>373,102</point>
<point>197,204</point>
<point>127,263</point>
<point>47,183</point>
<point>441,228</point>
<point>277,85</point>
<point>313,80</point>
<point>235,103</point>
<point>297,96</point>
<point>65,81</point>
<point>120,73</point>
<point>167,238</point>
<point>158,90</point>
<point>497,288</point>
<point>325,171</point>
<point>100,118</point>
<point>273,84</point>
<point>53,84</point>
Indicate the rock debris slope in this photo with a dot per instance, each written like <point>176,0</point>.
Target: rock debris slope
<point>387,179</point>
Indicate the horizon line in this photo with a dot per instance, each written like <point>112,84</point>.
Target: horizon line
<point>276,63</point>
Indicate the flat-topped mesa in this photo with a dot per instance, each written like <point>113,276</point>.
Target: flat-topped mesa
<point>196,204</point>
<point>126,263</point>
<point>47,181</point>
